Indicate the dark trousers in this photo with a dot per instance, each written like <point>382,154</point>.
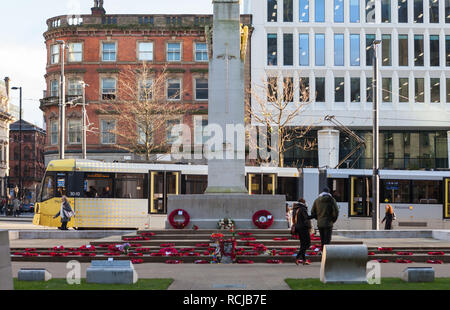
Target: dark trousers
<point>63,225</point>
<point>305,243</point>
<point>325,235</point>
<point>388,225</point>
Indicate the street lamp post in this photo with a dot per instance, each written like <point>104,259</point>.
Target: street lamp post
<point>62,103</point>
<point>20,140</point>
<point>83,126</point>
<point>375,153</point>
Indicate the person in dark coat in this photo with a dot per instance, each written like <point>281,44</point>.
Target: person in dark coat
<point>66,213</point>
<point>388,217</point>
<point>326,211</point>
<point>302,227</point>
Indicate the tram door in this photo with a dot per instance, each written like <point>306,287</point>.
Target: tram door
<point>162,183</point>
<point>447,198</point>
<point>360,196</point>
<point>261,184</point>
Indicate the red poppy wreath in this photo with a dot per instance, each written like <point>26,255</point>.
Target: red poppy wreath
<point>262,219</point>
<point>176,224</point>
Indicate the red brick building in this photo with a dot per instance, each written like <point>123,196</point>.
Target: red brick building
<point>100,47</point>
<point>33,166</point>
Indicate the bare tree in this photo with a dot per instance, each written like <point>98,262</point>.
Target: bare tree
<point>277,109</point>
<point>145,107</point>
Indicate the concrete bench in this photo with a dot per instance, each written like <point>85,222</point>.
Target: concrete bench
<point>344,264</point>
<point>6,279</point>
<point>33,274</point>
<point>418,274</point>
<point>111,272</point>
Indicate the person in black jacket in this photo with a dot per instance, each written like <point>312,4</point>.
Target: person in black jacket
<point>302,227</point>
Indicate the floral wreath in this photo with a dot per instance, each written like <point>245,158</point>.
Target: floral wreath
<point>262,219</point>
<point>226,223</point>
<point>179,225</point>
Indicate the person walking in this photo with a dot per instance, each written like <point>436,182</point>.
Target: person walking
<point>302,228</point>
<point>326,211</point>
<point>65,212</point>
<point>16,207</point>
<point>388,217</point>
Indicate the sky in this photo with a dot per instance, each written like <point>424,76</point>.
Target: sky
<point>22,46</point>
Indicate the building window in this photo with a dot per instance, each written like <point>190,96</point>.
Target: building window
<point>354,11</point>
<point>288,89</point>
<point>54,130</point>
<point>447,84</point>
<point>403,93</point>
<point>320,89</point>
<point>402,11</point>
<point>386,49</point>
<point>447,11</point>
<point>146,20</point>
<point>109,88</point>
<point>272,59</point>
<point>370,11</point>
<point>304,89</point>
<point>419,89</point>
<point>75,87</point>
<point>435,90</point>
<point>54,54</point>
<point>173,51</point>
<point>109,51</point>
<point>272,89</point>
<point>54,88</point>
<point>338,49</point>
<point>418,11</point>
<point>288,47</point>
<point>369,50</point>
<point>355,86</point>
<point>387,89</point>
<point>418,50</point>
<point>338,11</point>
<point>144,135</point>
<point>146,90</point>
<point>201,89</point>
<point>304,10</point>
<point>173,89</point>
<point>434,11</point>
<point>320,49</point>
<point>339,94</point>
<point>319,11</point>
<point>145,51</point>
<point>288,10</point>
<point>304,49</point>
<point>201,52</point>
<point>369,90</point>
<point>107,131</point>
<point>434,51</point>
<point>403,50</point>
<point>447,50</point>
<point>272,10</point>
<point>386,11</point>
<point>75,52</point>
<point>74,131</point>
<point>354,50</point>
<point>200,124</point>
<point>170,124</point>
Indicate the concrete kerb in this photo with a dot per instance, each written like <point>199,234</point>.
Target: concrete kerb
<point>70,234</point>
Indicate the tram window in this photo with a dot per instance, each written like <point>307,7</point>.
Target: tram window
<point>131,186</point>
<point>395,191</point>
<point>196,184</point>
<point>98,185</point>
<point>268,185</point>
<point>339,189</point>
<point>61,186</point>
<point>427,192</point>
<point>361,202</point>
<point>48,187</point>
<point>288,187</point>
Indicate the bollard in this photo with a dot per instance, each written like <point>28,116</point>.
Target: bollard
<point>418,274</point>
<point>6,279</point>
<point>33,274</point>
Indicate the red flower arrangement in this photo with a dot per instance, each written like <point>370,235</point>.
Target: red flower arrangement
<point>88,254</point>
<point>286,253</point>
<point>201,262</point>
<point>403,261</point>
<point>385,249</point>
<point>191,254</point>
<point>314,238</point>
<point>179,225</point>
<point>136,238</point>
<point>217,236</point>
<point>173,262</point>
<point>73,254</point>
<point>436,253</point>
<point>245,233</point>
<point>87,248</point>
<point>248,239</point>
<point>26,254</point>
<point>186,250</point>
<point>147,234</point>
<point>135,254</point>
<point>312,253</point>
<point>260,248</point>
<point>58,248</point>
<point>383,261</point>
<point>137,261</point>
<point>371,253</point>
<point>143,250</point>
<point>206,253</point>
<point>245,261</point>
<point>404,253</point>
<point>167,245</point>
<point>202,245</point>
<point>280,239</point>
<point>103,245</point>
<point>262,219</point>
<point>111,254</point>
<point>30,250</point>
<point>195,227</point>
<point>274,261</point>
<point>168,251</point>
<point>251,253</point>
<point>135,245</point>
<point>289,249</point>
<point>274,252</point>
<point>156,254</point>
<point>434,261</point>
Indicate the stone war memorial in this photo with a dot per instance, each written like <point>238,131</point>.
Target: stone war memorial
<point>226,195</point>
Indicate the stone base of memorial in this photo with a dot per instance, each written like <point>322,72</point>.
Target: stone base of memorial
<point>206,210</point>
<point>6,280</point>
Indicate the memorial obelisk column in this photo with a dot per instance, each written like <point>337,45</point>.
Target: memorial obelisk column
<point>226,168</point>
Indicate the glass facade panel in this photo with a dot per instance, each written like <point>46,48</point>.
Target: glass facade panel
<point>338,49</point>
<point>304,49</point>
<point>288,89</point>
<point>434,11</point>
<point>447,84</point>
<point>354,50</point>
<point>386,50</point>
<point>304,89</point>
<point>403,84</point>
<point>447,51</point>
<point>435,90</point>
<point>419,90</point>
<point>272,51</point>
<point>354,11</point>
<point>386,89</point>
<point>369,50</point>
<point>402,11</point>
<point>319,11</point>
<point>272,89</point>
<point>418,11</point>
<point>320,49</point>
<point>386,11</point>
<point>355,87</point>
<point>201,89</point>
<point>447,11</point>
<point>418,50</point>
<point>434,51</point>
<point>339,90</point>
<point>403,50</point>
<point>304,10</point>
<point>320,89</point>
<point>288,10</point>
<point>370,11</point>
<point>338,11</point>
<point>272,10</point>
<point>288,56</point>
<point>369,90</point>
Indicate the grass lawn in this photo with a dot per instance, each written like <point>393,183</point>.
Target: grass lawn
<point>386,284</point>
<point>61,284</point>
